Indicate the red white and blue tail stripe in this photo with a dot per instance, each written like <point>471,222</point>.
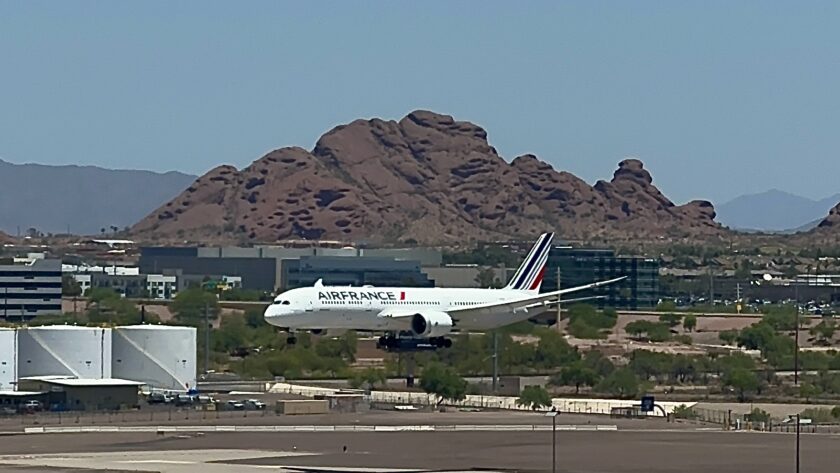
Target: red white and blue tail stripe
<point>529,276</point>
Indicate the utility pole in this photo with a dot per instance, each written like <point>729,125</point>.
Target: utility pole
<point>796,344</point>
<point>559,310</point>
<point>495,360</point>
<point>798,428</point>
<point>206,338</point>
<point>711,287</point>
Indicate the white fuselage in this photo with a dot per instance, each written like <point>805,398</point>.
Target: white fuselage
<point>384,308</point>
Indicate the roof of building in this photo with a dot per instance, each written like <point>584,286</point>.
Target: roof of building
<point>66,381</point>
<point>21,393</point>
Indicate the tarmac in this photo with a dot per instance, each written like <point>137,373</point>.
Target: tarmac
<point>637,446</point>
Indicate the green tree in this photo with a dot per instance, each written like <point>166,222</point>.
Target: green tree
<point>70,287</point>
<point>534,397</point>
<point>690,322</point>
<point>189,306</point>
<point>637,328</point>
<point>486,278</point>
<point>780,318</point>
<point>742,381</point>
<point>553,350</point>
<point>622,383</point>
<point>443,382</point>
<point>369,377</point>
<point>671,320</point>
<point>835,412</point>
<point>824,331</point>
<point>576,374</point>
<point>649,364</point>
<point>666,306</point>
<point>587,322</point>
<point>597,362</point>
<point>759,415</point>
<point>653,331</point>
<point>728,337</point>
<point>338,347</point>
<point>808,391</point>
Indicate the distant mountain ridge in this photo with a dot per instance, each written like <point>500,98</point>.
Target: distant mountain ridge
<point>774,210</point>
<point>83,198</point>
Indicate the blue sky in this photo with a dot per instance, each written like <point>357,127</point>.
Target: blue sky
<point>718,98</point>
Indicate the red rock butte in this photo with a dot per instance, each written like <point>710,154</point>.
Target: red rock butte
<point>426,178</point>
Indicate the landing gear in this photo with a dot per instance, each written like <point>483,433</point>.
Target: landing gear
<point>394,344</point>
<point>291,340</point>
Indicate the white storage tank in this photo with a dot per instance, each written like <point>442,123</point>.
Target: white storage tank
<point>162,356</point>
<point>64,350</point>
<point>8,359</point>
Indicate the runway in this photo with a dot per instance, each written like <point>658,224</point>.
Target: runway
<point>636,451</point>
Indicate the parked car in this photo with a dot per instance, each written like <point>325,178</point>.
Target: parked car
<point>185,400</point>
<point>235,405</point>
<point>156,398</point>
<point>254,404</point>
<point>31,406</point>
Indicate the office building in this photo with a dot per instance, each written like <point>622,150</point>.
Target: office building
<point>353,271</point>
<point>28,290</point>
<point>578,266</point>
<point>271,269</point>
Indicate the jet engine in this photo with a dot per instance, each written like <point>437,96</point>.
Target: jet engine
<point>431,324</point>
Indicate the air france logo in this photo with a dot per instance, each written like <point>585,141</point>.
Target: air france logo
<point>360,296</point>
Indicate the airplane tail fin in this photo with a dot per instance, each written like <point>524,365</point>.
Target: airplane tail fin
<point>530,274</point>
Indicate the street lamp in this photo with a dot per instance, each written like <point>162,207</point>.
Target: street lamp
<point>553,414</point>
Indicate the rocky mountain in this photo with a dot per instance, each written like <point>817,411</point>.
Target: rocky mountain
<point>84,199</point>
<point>832,221</point>
<point>427,178</point>
<point>774,210</point>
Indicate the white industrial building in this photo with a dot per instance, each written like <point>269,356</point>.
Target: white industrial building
<point>160,356</point>
<point>64,350</point>
<point>8,359</point>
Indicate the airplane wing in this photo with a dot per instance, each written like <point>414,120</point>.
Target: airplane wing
<point>520,307</point>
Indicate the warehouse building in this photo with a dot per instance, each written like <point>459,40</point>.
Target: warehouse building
<point>75,394</point>
<point>29,290</point>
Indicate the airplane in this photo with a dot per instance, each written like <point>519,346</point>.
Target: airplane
<point>417,318</point>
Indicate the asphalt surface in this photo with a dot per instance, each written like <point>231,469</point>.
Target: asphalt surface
<point>373,417</point>
<point>631,451</point>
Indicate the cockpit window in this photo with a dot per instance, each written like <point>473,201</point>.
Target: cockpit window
<point>282,302</point>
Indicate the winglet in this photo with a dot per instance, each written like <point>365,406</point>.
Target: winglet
<point>319,283</point>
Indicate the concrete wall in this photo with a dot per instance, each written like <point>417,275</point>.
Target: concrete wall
<point>302,407</point>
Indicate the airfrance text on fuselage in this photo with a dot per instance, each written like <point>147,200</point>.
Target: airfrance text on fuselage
<point>356,296</point>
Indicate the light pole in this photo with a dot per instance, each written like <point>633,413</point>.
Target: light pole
<point>797,442</point>
<point>553,414</point>
<point>796,341</point>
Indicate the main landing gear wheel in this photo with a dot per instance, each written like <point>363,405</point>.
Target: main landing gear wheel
<point>291,340</point>
<point>402,344</point>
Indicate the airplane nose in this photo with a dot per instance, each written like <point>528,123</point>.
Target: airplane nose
<point>273,315</point>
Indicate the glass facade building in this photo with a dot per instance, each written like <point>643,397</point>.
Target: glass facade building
<point>353,271</point>
<point>579,266</point>
<point>30,290</point>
